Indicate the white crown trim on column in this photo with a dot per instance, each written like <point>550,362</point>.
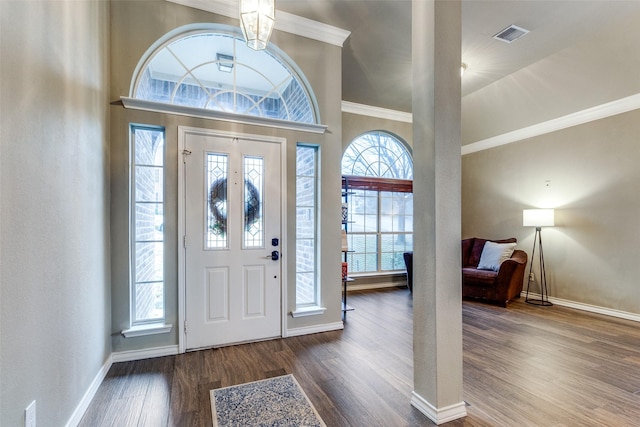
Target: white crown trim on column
<point>284,21</point>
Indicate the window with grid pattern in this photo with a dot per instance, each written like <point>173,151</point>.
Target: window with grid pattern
<point>307,291</point>
<point>213,68</point>
<point>380,213</point>
<point>147,224</point>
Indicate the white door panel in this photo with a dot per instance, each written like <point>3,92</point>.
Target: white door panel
<point>231,213</point>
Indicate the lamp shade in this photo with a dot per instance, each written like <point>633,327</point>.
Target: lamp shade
<point>538,218</point>
<point>257,18</point>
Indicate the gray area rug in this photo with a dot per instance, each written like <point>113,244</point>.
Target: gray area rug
<point>278,401</point>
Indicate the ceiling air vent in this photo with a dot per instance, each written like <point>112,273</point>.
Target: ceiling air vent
<point>510,34</point>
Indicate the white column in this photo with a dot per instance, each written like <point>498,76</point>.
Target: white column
<point>437,295</point>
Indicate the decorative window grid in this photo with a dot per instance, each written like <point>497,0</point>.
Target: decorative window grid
<point>147,224</point>
<point>213,68</point>
<point>307,288</point>
<point>378,170</point>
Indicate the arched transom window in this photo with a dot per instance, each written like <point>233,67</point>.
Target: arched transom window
<point>377,185</point>
<point>212,68</point>
<point>377,154</point>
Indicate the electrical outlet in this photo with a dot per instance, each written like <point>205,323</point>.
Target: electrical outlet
<point>532,278</point>
<point>30,415</point>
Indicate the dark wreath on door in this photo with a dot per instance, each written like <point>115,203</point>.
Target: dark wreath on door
<point>217,200</point>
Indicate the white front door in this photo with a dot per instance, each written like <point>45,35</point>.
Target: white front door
<point>232,229</point>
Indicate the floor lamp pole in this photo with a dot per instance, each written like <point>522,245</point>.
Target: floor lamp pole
<point>544,293</point>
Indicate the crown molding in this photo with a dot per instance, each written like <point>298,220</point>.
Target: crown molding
<point>602,111</point>
<point>284,21</point>
<point>381,113</point>
<point>315,30</point>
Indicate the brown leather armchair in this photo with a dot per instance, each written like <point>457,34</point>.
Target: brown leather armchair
<point>498,287</point>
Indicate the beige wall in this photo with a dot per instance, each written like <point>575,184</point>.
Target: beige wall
<point>138,24</point>
<point>54,206</point>
<point>593,175</point>
<point>354,125</point>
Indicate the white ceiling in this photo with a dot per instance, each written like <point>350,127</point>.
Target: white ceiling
<point>377,55</point>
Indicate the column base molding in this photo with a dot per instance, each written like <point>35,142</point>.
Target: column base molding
<point>438,415</point>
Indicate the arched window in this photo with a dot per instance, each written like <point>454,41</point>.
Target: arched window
<point>210,67</point>
<point>377,187</point>
<point>377,154</point>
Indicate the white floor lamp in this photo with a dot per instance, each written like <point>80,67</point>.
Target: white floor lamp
<point>538,218</point>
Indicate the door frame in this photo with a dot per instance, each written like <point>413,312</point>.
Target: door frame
<point>183,132</point>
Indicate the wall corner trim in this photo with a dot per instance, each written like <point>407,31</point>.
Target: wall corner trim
<point>602,111</point>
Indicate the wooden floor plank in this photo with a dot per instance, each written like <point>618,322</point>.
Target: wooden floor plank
<point>523,365</point>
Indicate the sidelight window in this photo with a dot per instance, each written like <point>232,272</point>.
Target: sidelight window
<point>307,292</point>
<point>147,224</point>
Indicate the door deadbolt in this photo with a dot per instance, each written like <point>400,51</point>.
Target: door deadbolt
<point>275,255</point>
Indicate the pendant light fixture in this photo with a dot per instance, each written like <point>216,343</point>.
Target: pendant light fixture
<point>257,18</point>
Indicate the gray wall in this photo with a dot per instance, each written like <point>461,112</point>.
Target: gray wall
<point>591,255</point>
<point>136,26</point>
<point>54,206</point>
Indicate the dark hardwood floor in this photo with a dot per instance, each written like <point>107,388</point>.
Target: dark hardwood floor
<point>523,366</point>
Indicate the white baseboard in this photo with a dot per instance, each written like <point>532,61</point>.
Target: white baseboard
<point>438,415</point>
<point>121,356</point>
<point>147,353</point>
<point>588,307</point>
<point>89,394</point>
<point>315,329</point>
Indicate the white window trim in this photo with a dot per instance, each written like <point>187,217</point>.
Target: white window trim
<point>148,329</point>
<point>157,326</point>
<point>314,310</point>
<point>203,113</point>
